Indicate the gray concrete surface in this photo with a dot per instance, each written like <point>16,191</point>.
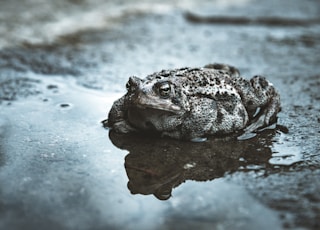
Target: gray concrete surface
<point>63,63</point>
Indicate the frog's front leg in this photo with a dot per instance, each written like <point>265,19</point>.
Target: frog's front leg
<point>262,102</point>
<point>117,118</point>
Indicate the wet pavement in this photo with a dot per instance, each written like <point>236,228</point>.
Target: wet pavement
<point>63,63</point>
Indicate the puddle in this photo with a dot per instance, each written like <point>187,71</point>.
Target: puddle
<point>67,164</point>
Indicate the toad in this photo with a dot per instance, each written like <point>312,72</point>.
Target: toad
<point>194,103</point>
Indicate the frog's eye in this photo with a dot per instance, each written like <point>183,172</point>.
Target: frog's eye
<point>165,90</point>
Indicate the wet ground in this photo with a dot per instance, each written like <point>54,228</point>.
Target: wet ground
<point>63,63</point>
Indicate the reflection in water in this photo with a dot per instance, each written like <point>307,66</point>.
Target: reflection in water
<point>156,166</point>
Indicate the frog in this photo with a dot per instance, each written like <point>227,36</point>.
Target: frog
<point>192,103</point>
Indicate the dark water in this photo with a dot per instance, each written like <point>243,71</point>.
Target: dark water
<point>63,63</point>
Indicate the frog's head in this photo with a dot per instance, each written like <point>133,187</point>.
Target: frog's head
<point>155,103</point>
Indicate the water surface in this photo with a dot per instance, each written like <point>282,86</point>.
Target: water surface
<point>62,64</point>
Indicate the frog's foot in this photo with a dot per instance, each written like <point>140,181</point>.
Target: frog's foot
<point>265,100</point>
<point>257,124</point>
<point>232,71</point>
<point>251,132</point>
<point>265,118</point>
<point>119,127</point>
<point>105,123</point>
<point>262,121</point>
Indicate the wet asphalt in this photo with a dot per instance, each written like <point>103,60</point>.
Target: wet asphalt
<point>59,169</point>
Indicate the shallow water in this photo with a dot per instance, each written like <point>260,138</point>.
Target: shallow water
<point>73,168</point>
<point>60,73</point>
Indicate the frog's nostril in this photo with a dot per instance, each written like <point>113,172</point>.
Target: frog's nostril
<point>133,83</point>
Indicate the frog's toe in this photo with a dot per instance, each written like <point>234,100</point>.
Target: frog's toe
<point>199,139</point>
<point>122,127</point>
<point>246,136</point>
<point>257,124</point>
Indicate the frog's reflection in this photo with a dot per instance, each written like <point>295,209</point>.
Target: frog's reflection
<point>156,166</point>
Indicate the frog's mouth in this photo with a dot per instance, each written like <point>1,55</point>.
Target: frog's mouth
<point>153,113</point>
<point>152,120</point>
<point>143,101</point>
